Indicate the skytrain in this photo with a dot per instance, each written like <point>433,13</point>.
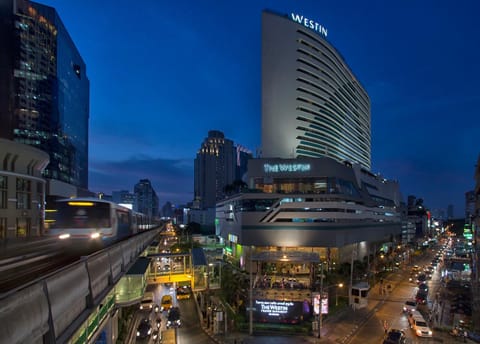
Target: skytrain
<point>94,221</point>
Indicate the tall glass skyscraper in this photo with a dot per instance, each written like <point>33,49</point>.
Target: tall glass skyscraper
<point>44,89</point>
<point>312,104</point>
<point>214,169</point>
<point>146,199</point>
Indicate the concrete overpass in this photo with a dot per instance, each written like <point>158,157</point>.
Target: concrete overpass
<point>73,304</point>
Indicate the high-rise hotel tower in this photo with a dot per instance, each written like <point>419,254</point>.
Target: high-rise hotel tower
<point>312,104</point>
<point>312,190</point>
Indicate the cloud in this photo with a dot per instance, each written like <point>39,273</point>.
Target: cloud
<point>171,179</point>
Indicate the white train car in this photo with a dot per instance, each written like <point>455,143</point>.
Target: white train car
<point>94,221</point>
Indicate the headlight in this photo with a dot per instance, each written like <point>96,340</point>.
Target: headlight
<point>138,333</point>
<point>95,235</point>
<point>149,331</point>
<point>419,333</point>
<point>430,333</point>
<point>64,236</point>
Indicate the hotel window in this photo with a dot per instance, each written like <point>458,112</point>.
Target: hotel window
<point>3,192</point>
<point>24,195</point>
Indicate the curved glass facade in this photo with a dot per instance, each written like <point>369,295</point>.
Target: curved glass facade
<point>312,104</point>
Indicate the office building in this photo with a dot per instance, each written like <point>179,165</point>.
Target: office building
<point>146,199</point>
<point>44,90</point>
<point>470,204</point>
<point>219,162</point>
<point>312,103</point>
<point>123,197</point>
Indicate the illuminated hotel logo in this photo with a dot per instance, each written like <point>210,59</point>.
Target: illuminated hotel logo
<point>309,23</point>
<point>275,168</point>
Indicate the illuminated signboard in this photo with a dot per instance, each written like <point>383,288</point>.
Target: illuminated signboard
<point>280,311</point>
<point>467,231</point>
<point>273,308</point>
<point>309,23</point>
<point>276,168</point>
<point>316,303</point>
<point>233,238</point>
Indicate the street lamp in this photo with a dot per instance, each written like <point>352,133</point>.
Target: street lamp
<point>320,313</point>
<point>340,285</point>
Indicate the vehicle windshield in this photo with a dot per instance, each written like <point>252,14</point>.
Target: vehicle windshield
<point>421,324</point>
<point>93,215</point>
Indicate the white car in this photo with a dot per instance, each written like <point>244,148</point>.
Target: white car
<point>147,302</point>
<point>419,325</point>
<point>410,306</point>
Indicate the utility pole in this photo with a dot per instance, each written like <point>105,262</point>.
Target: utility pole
<point>321,302</point>
<point>250,322</point>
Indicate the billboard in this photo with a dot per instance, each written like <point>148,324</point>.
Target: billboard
<point>278,311</point>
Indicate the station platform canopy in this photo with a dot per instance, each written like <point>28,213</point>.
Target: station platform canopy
<point>286,256</point>
<point>198,257</point>
<point>140,267</point>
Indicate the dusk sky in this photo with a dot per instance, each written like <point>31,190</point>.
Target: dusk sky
<point>164,73</point>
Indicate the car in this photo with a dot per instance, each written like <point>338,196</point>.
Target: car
<point>423,287</point>
<point>410,306</point>
<point>144,329</point>
<point>395,336</point>
<point>183,293</point>
<point>419,325</point>
<point>166,303</point>
<point>147,301</point>
<point>173,318</point>
<point>421,297</point>
<point>421,278</point>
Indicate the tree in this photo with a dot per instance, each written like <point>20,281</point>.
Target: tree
<point>194,228</point>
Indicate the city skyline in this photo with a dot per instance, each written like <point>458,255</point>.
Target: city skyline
<point>163,75</point>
